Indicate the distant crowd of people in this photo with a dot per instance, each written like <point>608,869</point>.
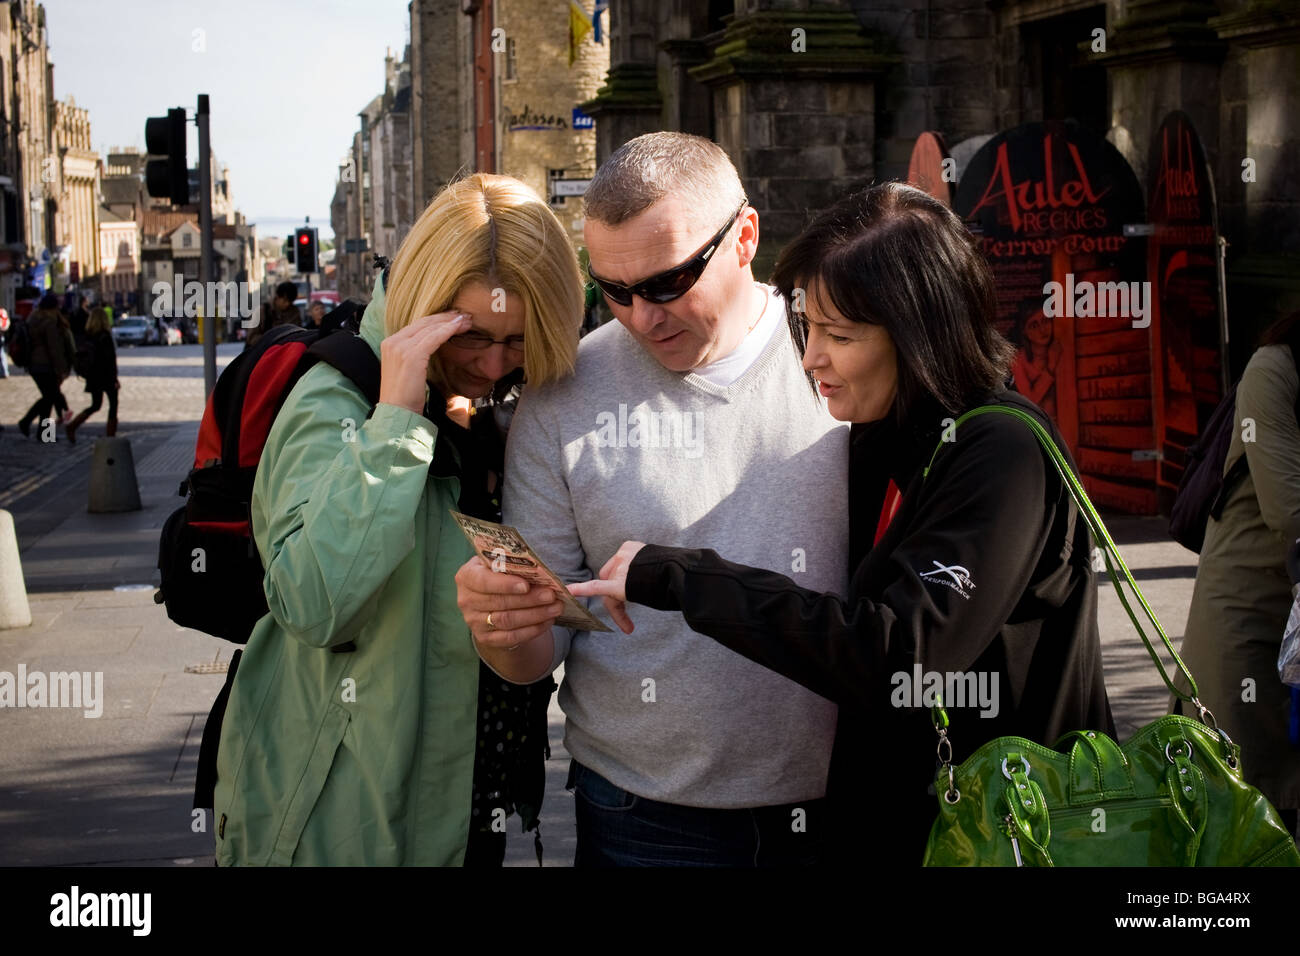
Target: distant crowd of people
<point>52,345</point>
<point>282,311</point>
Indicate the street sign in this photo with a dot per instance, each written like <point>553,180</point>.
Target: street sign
<point>569,187</point>
<point>581,120</point>
<point>355,245</point>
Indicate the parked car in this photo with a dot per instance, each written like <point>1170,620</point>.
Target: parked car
<point>134,330</point>
<point>171,335</point>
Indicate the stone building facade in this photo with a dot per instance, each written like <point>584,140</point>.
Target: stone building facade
<point>485,85</point>
<point>119,257</point>
<point>13,248</point>
<point>77,208</point>
<point>349,226</point>
<point>31,170</point>
<point>386,123</point>
<point>788,87</point>
<point>538,94</point>
<point>121,220</point>
<point>33,96</point>
<point>442,115</point>
<point>374,205</point>
<point>813,98</point>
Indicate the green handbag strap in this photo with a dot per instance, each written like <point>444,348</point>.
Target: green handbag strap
<point>1108,549</point>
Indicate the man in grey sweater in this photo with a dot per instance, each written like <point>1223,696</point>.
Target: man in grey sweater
<point>689,421</point>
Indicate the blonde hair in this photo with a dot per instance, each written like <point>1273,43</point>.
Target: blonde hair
<point>98,321</point>
<point>496,231</point>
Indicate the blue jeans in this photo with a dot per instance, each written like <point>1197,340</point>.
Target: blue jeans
<point>618,828</point>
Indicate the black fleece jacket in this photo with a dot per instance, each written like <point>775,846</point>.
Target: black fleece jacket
<point>985,568</point>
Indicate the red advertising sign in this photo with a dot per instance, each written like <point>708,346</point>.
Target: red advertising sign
<point>931,168</point>
<point>1182,263</point>
<point>1049,202</point>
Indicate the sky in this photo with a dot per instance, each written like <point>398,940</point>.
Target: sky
<point>285,81</point>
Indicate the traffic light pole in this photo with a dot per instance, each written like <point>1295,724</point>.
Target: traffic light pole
<point>205,247</point>
<point>316,248</point>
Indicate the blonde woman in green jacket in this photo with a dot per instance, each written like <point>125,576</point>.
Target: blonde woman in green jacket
<point>357,710</point>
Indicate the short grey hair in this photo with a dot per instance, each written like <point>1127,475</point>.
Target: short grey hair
<point>646,169</point>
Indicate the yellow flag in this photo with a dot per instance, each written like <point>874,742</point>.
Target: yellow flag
<point>579,27</point>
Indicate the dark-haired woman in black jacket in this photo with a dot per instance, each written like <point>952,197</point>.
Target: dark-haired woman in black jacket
<point>981,576</point>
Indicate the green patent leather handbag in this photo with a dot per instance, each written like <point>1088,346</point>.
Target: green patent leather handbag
<point>1173,795</point>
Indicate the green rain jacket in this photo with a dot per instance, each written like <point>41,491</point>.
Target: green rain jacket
<point>330,755</point>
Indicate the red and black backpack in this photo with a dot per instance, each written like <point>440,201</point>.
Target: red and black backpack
<point>210,569</point>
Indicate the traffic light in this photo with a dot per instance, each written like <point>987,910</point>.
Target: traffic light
<point>167,178</point>
<point>289,251</point>
<point>304,241</point>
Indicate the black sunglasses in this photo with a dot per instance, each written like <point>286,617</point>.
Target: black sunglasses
<point>672,283</point>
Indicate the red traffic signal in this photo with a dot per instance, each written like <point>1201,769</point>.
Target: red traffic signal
<point>306,241</point>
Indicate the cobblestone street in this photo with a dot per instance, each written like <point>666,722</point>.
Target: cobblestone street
<point>161,387</point>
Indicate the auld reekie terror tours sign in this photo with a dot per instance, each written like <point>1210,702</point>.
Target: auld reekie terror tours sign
<point>1183,266</point>
<point>1049,202</point>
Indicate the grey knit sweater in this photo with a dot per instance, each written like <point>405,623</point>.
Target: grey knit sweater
<point>627,450</point>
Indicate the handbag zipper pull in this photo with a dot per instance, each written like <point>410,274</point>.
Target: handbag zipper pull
<point>1015,843</point>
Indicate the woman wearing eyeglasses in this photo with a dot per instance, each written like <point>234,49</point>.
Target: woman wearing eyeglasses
<point>361,727</point>
<point>980,578</point>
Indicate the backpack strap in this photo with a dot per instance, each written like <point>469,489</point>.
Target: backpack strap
<point>1238,470</point>
<point>1294,344</point>
<point>257,390</point>
<point>353,356</point>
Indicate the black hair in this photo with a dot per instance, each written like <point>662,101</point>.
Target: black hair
<point>891,255</point>
<point>287,291</point>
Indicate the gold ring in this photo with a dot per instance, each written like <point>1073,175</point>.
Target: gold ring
<point>491,626</point>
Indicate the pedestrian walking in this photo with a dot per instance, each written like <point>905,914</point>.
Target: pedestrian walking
<point>101,375</point>
<point>78,317</point>
<point>281,311</point>
<point>361,726</point>
<point>51,362</point>
<point>1243,593</point>
<point>4,343</point>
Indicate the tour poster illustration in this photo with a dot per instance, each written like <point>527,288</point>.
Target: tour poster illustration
<point>1049,203</point>
<point>1183,267</point>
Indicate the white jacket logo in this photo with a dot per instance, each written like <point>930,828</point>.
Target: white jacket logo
<point>953,576</point>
